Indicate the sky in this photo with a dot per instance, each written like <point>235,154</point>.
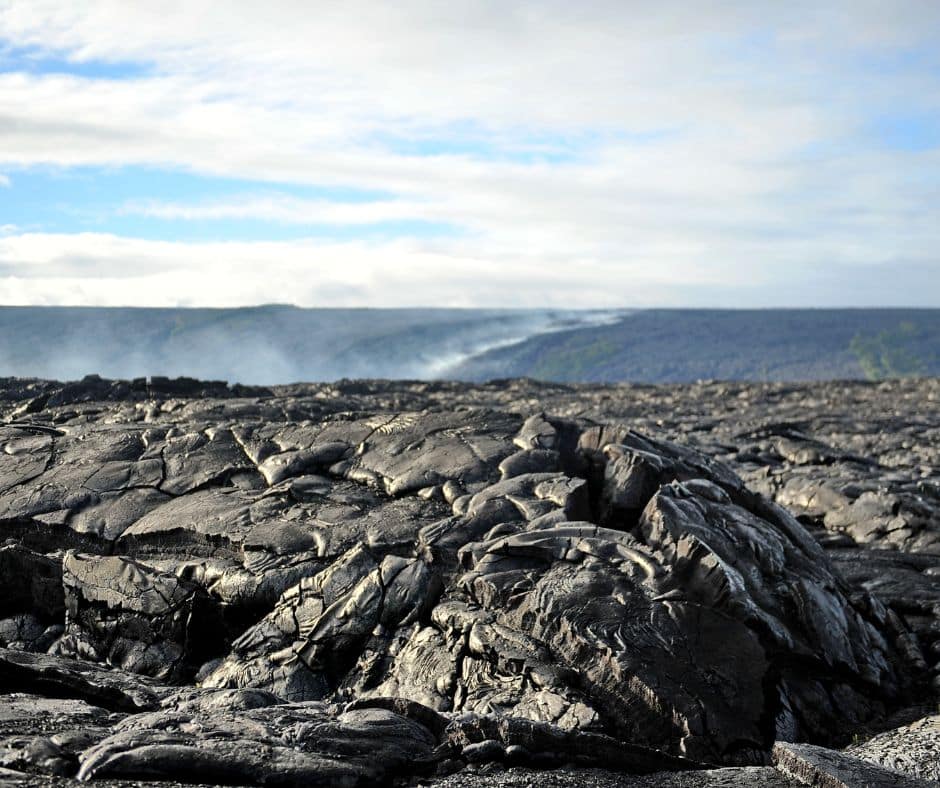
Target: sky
<point>515,154</point>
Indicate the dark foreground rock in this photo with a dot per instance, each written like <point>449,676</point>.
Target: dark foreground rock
<point>367,583</point>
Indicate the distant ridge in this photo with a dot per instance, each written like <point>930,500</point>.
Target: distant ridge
<point>682,345</point>
<point>280,343</point>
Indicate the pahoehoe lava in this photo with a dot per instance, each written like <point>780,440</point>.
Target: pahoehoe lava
<point>514,583</point>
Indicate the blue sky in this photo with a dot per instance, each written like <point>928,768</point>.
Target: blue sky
<point>473,154</point>
<point>116,200</point>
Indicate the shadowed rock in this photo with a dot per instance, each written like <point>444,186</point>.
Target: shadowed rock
<point>136,617</point>
<point>358,582</point>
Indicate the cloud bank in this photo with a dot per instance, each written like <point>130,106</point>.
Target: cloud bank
<point>608,154</point>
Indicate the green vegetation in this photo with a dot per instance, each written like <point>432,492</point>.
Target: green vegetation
<point>890,353</point>
<point>575,364</point>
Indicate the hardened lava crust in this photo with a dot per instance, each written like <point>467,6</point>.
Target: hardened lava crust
<point>505,584</point>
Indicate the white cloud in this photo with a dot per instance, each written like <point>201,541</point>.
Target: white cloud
<point>5,181</point>
<point>284,210</point>
<point>103,269</point>
<point>612,152</point>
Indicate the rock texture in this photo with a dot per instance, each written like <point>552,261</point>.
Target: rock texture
<point>824,768</point>
<point>372,582</point>
<point>913,749</point>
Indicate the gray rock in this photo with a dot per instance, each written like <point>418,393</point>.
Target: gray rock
<point>136,617</point>
<point>913,749</point>
<point>572,777</point>
<point>296,744</point>
<point>60,677</point>
<point>374,581</point>
<point>818,766</point>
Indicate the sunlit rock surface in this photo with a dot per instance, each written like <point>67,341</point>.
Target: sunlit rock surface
<point>373,582</point>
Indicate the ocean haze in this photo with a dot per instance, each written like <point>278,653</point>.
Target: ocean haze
<point>273,344</point>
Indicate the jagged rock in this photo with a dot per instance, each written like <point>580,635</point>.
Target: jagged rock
<point>216,736</point>
<point>701,573</point>
<point>720,555</point>
<point>468,662</point>
<point>104,520</point>
<point>136,617</point>
<point>908,584</point>
<point>210,522</point>
<point>591,596</point>
<point>302,648</point>
<point>528,498</point>
<point>193,460</point>
<point>411,451</point>
<point>481,739</point>
<point>492,578</point>
<point>296,744</point>
<point>61,677</point>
